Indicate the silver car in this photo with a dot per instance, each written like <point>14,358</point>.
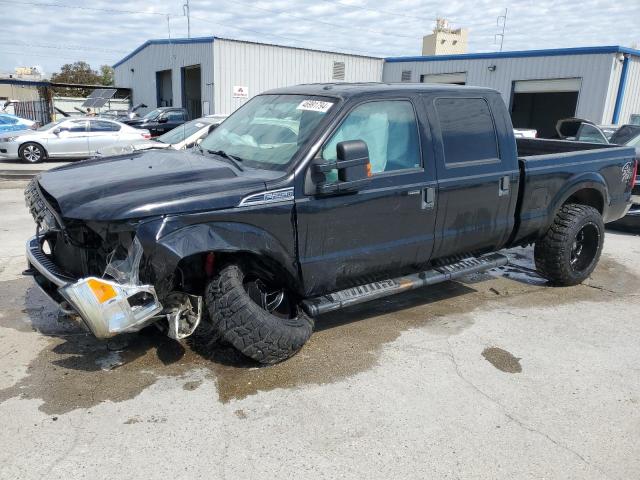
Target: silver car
<point>68,138</point>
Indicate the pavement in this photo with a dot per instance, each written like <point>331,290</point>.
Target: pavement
<point>498,376</point>
<point>18,170</point>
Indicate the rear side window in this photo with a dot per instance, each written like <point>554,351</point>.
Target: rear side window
<point>99,126</point>
<point>468,132</point>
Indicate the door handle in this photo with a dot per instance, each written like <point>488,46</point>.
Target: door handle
<point>504,185</point>
<point>428,198</point>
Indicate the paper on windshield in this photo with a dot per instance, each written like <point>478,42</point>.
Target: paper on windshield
<point>314,106</point>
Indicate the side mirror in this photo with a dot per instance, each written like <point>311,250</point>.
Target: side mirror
<point>163,120</point>
<point>199,141</point>
<point>354,169</point>
<point>56,131</point>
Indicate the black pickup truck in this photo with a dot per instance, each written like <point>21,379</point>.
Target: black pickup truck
<point>313,198</point>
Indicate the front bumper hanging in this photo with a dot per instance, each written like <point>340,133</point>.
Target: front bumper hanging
<point>107,308</point>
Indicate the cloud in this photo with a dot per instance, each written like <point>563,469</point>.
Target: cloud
<point>94,32</point>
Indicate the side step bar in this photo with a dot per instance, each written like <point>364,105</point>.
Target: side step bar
<point>385,288</point>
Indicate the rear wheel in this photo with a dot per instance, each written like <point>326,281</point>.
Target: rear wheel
<point>257,315</point>
<point>31,153</point>
<point>571,248</point>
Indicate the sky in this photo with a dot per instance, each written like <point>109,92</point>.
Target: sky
<point>49,33</point>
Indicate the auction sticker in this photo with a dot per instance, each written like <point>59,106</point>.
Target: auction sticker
<point>314,105</point>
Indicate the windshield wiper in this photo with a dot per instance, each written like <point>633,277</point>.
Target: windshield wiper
<point>232,158</point>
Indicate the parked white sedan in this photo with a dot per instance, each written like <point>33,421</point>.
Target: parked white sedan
<point>68,138</point>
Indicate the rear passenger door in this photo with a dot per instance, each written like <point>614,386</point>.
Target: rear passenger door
<point>102,133</point>
<point>475,183</point>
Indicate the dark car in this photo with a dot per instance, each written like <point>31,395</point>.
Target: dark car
<point>160,120</point>
<point>313,198</point>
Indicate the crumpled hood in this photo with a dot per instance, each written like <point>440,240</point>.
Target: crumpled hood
<point>150,183</point>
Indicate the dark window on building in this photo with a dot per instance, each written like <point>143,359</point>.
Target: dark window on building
<point>468,132</point>
<point>338,71</point>
<point>406,76</point>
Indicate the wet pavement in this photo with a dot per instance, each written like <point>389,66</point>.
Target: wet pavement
<point>495,376</point>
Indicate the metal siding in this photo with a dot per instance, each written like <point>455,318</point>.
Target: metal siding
<point>157,57</point>
<point>631,99</point>
<point>594,69</point>
<point>263,67</point>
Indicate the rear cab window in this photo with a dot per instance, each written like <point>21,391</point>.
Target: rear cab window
<point>468,131</point>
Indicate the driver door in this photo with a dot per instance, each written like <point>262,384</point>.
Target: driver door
<point>387,227</point>
<point>70,140</point>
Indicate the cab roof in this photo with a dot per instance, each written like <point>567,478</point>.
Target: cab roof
<point>348,90</point>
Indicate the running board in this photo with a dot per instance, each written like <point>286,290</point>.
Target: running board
<point>385,288</point>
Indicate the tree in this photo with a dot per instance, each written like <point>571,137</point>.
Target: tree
<point>81,73</point>
<point>106,75</point>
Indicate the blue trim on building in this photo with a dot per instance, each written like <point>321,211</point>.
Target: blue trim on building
<point>621,87</point>
<point>26,83</point>
<point>165,41</point>
<point>554,52</point>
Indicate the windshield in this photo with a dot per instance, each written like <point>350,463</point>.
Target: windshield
<point>153,114</point>
<point>268,130</point>
<point>178,134</point>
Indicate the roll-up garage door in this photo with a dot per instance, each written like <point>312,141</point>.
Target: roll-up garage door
<point>539,104</point>
<point>458,78</point>
<point>553,85</point>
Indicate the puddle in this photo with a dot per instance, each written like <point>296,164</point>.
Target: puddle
<point>77,371</point>
<point>502,360</point>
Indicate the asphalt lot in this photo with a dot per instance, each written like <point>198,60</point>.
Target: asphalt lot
<point>498,376</point>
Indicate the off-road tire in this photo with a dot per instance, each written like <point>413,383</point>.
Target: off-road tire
<point>32,152</point>
<point>553,252</point>
<point>243,323</point>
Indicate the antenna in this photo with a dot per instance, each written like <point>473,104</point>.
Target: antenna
<point>186,13</point>
<point>501,21</point>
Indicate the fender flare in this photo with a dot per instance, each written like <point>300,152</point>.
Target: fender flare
<point>165,250</point>
<point>582,181</point>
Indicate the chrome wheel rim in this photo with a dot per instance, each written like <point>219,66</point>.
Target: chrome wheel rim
<point>32,153</point>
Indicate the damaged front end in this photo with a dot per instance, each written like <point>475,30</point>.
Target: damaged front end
<point>94,271</point>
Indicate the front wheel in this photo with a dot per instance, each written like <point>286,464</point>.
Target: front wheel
<point>31,153</point>
<point>257,316</point>
<point>569,251</point>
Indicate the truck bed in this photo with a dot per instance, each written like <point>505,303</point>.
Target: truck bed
<point>528,147</point>
<point>549,170</point>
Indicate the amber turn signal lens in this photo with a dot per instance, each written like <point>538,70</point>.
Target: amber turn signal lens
<point>102,291</point>
<point>368,169</point>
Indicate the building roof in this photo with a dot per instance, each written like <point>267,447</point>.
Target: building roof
<point>182,41</point>
<point>553,52</point>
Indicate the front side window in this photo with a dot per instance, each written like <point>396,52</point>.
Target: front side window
<point>153,114</point>
<point>468,132</point>
<point>75,127</point>
<point>269,129</point>
<point>174,116</point>
<point>389,129</point>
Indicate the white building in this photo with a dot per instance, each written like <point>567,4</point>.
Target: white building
<point>445,40</point>
<point>601,84</point>
<point>216,75</point>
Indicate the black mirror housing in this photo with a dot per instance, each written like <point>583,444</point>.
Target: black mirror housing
<point>354,169</point>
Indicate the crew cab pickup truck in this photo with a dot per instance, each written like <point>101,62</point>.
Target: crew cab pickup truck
<point>313,198</point>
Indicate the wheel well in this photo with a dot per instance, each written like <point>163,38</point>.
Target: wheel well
<point>44,150</point>
<point>587,196</point>
<point>190,275</point>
